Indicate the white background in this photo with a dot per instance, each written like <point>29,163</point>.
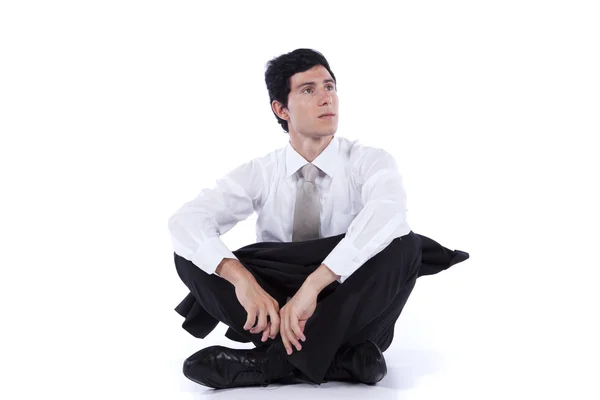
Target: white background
<point>115,113</point>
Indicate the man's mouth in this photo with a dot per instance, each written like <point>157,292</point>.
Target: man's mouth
<point>327,115</point>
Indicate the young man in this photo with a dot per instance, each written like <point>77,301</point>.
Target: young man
<point>335,259</point>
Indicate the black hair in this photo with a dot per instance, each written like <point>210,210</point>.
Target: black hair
<point>281,69</point>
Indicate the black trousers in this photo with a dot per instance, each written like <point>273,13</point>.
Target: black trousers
<point>364,307</point>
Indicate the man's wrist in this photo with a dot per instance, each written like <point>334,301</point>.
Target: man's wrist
<point>233,271</point>
<point>321,278</point>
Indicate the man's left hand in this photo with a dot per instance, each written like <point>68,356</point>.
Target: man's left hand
<point>293,317</point>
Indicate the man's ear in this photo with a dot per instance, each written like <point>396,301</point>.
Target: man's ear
<point>280,110</point>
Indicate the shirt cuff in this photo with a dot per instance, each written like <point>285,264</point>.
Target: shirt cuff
<point>210,254</point>
<point>343,259</point>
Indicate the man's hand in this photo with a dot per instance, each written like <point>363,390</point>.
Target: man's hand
<point>258,303</point>
<point>252,297</point>
<point>294,316</point>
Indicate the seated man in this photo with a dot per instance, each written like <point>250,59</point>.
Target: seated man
<point>335,259</point>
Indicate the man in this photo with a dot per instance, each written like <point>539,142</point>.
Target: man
<point>335,259</point>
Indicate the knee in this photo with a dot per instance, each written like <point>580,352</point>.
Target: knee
<point>407,246</point>
<point>404,251</point>
<point>187,270</point>
<point>411,239</point>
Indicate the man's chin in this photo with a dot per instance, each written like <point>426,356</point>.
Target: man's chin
<point>328,132</point>
<point>320,133</point>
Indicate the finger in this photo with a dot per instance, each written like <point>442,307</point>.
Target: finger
<point>284,336</point>
<point>291,335</point>
<point>302,325</point>
<point>296,330</point>
<point>266,333</point>
<point>251,318</point>
<point>274,324</point>
<point>262,322</point>
<point>256,329</point>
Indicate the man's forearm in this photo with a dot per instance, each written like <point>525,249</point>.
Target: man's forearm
<point>233,271</point>
<point>321,278</point>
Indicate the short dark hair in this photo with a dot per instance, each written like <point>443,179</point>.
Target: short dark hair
<point>281,69</point>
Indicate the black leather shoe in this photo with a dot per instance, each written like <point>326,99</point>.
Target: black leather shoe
<point>362,363</point>
<point>221,367</point>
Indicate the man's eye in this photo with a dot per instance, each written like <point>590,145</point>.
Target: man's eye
<point>331,87</point>
<point>306,89</point>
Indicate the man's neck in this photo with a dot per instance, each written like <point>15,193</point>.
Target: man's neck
<point>309,147</point>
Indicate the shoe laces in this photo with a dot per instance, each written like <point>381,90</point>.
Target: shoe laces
<point>261,366</point>
<point>273,367</point>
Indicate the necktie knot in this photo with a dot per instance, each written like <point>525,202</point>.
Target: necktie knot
<point>309,172</point>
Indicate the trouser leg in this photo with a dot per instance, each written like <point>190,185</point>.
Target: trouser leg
<point>217,296</point>
<point>356,304</point>
<point>381,330</point>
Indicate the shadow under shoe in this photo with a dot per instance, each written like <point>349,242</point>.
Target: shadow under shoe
<point>220,367</point>
<point>362,363</point>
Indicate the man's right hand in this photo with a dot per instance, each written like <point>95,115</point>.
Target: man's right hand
<point>255,300</point>
<point>258,304</point>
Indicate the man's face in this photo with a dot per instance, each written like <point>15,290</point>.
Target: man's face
<point>312,94</point>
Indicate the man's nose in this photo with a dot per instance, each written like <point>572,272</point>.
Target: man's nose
<point>326,98</point>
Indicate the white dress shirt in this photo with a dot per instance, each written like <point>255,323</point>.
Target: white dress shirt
<point>361,194</point>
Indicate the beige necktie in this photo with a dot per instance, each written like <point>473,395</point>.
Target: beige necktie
<point>307,214</point>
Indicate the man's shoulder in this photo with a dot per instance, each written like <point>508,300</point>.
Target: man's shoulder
<point>271,157</point>
<point>357,151</point>
<point>268,161</point>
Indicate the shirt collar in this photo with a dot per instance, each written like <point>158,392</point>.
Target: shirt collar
<point>326,161</point>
